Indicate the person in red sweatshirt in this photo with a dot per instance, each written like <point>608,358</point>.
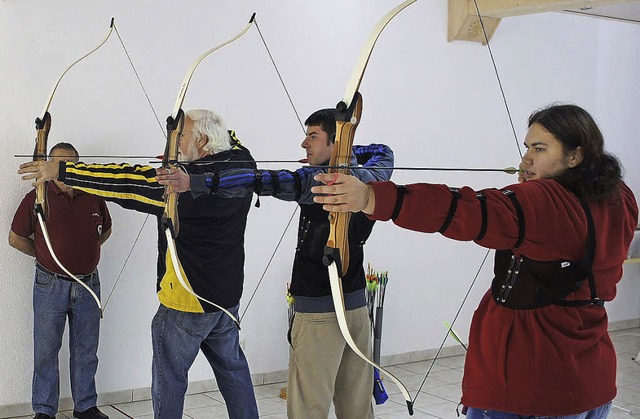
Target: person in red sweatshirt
<point>538,344</point>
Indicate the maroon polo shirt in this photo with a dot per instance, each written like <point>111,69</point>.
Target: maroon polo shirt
<point>74,225</point>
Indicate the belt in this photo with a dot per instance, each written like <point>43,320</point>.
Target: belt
<point>83,278</point>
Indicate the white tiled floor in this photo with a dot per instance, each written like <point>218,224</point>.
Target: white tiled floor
<point>437,399</point>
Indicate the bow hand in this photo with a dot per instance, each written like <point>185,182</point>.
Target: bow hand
<point>40,170</point>
<point>174,178</point>
<point>344,193</point>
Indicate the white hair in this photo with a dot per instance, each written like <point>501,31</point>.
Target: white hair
<point>210,125</point>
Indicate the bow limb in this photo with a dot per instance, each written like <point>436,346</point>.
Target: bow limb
<point>348,114</point>
<point>175,124</point>
<point>43,126</point>
<point>192,69</point>
<point>178,269</point>
<point>336,293</point>
<point>367,49</point>
<point>55,86</point>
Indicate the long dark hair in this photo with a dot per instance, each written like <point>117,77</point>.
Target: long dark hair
<point>598,175</point>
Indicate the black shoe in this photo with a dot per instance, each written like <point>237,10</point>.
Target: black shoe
<point>92,413</point>
<point>43,416</point>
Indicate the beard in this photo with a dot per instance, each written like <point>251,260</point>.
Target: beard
<point>192,153</point>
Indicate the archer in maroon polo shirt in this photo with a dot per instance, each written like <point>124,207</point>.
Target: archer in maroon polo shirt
<point>75,224</point>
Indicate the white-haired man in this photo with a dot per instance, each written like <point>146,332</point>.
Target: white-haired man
<point>184,324</point>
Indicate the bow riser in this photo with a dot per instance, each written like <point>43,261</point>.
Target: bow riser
<point>43,126</point>
<point>347,120</point>
<point>174,131</point>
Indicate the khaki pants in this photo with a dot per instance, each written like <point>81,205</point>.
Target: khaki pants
<point>323,368</point>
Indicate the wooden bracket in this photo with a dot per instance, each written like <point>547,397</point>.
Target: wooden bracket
<point>464,24</point>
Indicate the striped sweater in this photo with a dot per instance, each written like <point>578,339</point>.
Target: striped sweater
<point>210,244</point>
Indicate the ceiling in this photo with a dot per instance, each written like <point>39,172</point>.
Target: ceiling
<point>629,12</point>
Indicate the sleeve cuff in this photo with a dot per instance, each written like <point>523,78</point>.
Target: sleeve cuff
<point>62,171</point>
<point>199,185</point>
<point>386,194</point>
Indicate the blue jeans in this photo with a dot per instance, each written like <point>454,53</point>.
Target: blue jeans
<point>598,413</point>
<point>55,300</point>
<point>177,336</point>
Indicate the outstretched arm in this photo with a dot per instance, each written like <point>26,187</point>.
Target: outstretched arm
<point>376,161</point>
<point>494,218</point>
<point>130,186</point>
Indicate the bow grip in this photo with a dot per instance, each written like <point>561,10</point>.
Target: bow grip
<point>167,223</point>
<point>332,254</point>
<point>337,248</point>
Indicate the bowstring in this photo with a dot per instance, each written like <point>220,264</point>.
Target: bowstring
<point>135,71</point>
<point>295,111</point>
<point>279,75</point>
<point>515,135</point>
<point>155,114</point>
<point>499,80</point>
<point>264,272</point>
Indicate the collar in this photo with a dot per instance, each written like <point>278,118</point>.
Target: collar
<point>56,189</point>
<point>222,156</point>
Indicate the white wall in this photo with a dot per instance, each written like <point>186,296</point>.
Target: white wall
<point>435,103</point>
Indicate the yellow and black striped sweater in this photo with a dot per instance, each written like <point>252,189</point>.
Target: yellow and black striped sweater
<point>210,243</point>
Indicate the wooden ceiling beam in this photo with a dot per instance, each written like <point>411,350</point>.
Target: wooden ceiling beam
<point>464,24</point>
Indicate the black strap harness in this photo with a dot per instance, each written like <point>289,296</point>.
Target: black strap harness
<point>523,283</point>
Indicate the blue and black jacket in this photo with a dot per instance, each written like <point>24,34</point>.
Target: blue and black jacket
<point>310,278</point>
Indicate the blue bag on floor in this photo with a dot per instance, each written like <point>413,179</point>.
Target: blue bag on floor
<point>379,393</point>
